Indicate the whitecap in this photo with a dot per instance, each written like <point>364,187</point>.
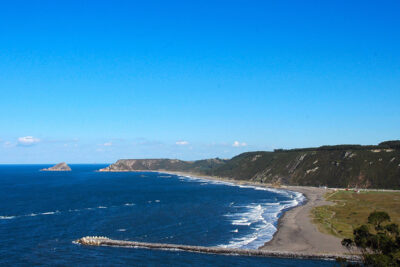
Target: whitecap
<point>101,207</point>
<point>129,204</point>
<point>49,212</point>
<point>121,230</point>
<point>7,217</point>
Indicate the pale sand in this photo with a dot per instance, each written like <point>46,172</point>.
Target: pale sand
<point>296,232</point>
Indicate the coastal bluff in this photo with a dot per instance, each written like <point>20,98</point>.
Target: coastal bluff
<point>339,166</point>
<point>58,167</point>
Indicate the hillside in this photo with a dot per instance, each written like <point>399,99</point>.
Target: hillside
<point>333,166</point>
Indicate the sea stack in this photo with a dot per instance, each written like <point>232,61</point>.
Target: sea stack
<point>58,167</point>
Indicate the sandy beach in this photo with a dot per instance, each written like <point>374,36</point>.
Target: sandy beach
<point>296,231</point>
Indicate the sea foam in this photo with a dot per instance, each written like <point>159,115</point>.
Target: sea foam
<point>260,218</point>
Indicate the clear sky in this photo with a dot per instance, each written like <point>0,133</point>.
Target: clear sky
<point>95,81</point>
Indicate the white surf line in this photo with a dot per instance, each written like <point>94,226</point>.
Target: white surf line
<point>254,215</point>
<point>212,181</point>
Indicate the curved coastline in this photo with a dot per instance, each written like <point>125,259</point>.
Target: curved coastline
<point>295,230</point>
<point>252,241</point>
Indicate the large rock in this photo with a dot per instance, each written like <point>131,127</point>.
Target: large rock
<point>58,167</point>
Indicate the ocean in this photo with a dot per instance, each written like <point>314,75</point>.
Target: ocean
<point>42,213</point>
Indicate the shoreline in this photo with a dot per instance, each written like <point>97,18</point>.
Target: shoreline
<point>296,233</point>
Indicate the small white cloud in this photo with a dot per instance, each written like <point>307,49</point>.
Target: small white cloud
<point>239,144</point>
<point>28,141</point>
<point>182,143</point>
<point>107,144</point>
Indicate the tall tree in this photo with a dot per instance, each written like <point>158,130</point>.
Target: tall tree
<point>378,241</point>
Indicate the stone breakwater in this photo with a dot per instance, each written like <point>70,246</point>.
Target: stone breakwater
<point>104,241</point>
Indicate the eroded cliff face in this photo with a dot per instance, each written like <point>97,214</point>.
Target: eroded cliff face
<point>364,169</point>
<point>337,166</point>
<point>58,167</point>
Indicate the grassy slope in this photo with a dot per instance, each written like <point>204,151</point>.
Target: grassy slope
<point>333,166</point>
<point>352,210</point>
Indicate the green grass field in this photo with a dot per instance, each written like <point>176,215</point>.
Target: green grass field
<point>352,210</point>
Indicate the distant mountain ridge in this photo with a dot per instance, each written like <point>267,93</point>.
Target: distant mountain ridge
<point>376,166</point>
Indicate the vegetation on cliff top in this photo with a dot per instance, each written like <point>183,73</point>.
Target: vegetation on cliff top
<point>333,166</point>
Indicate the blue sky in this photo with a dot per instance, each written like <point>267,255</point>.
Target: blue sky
<point>95,81</point>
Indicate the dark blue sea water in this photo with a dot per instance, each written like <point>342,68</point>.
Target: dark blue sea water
<point>42,213</point>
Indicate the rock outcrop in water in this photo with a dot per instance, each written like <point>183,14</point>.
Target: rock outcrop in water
<point>376,166</point>
<point>58,167</point>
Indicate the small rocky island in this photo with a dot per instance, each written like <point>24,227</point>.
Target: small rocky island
<point>58,167</point>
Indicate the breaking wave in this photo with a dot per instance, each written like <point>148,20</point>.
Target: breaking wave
<point>260,218</point>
